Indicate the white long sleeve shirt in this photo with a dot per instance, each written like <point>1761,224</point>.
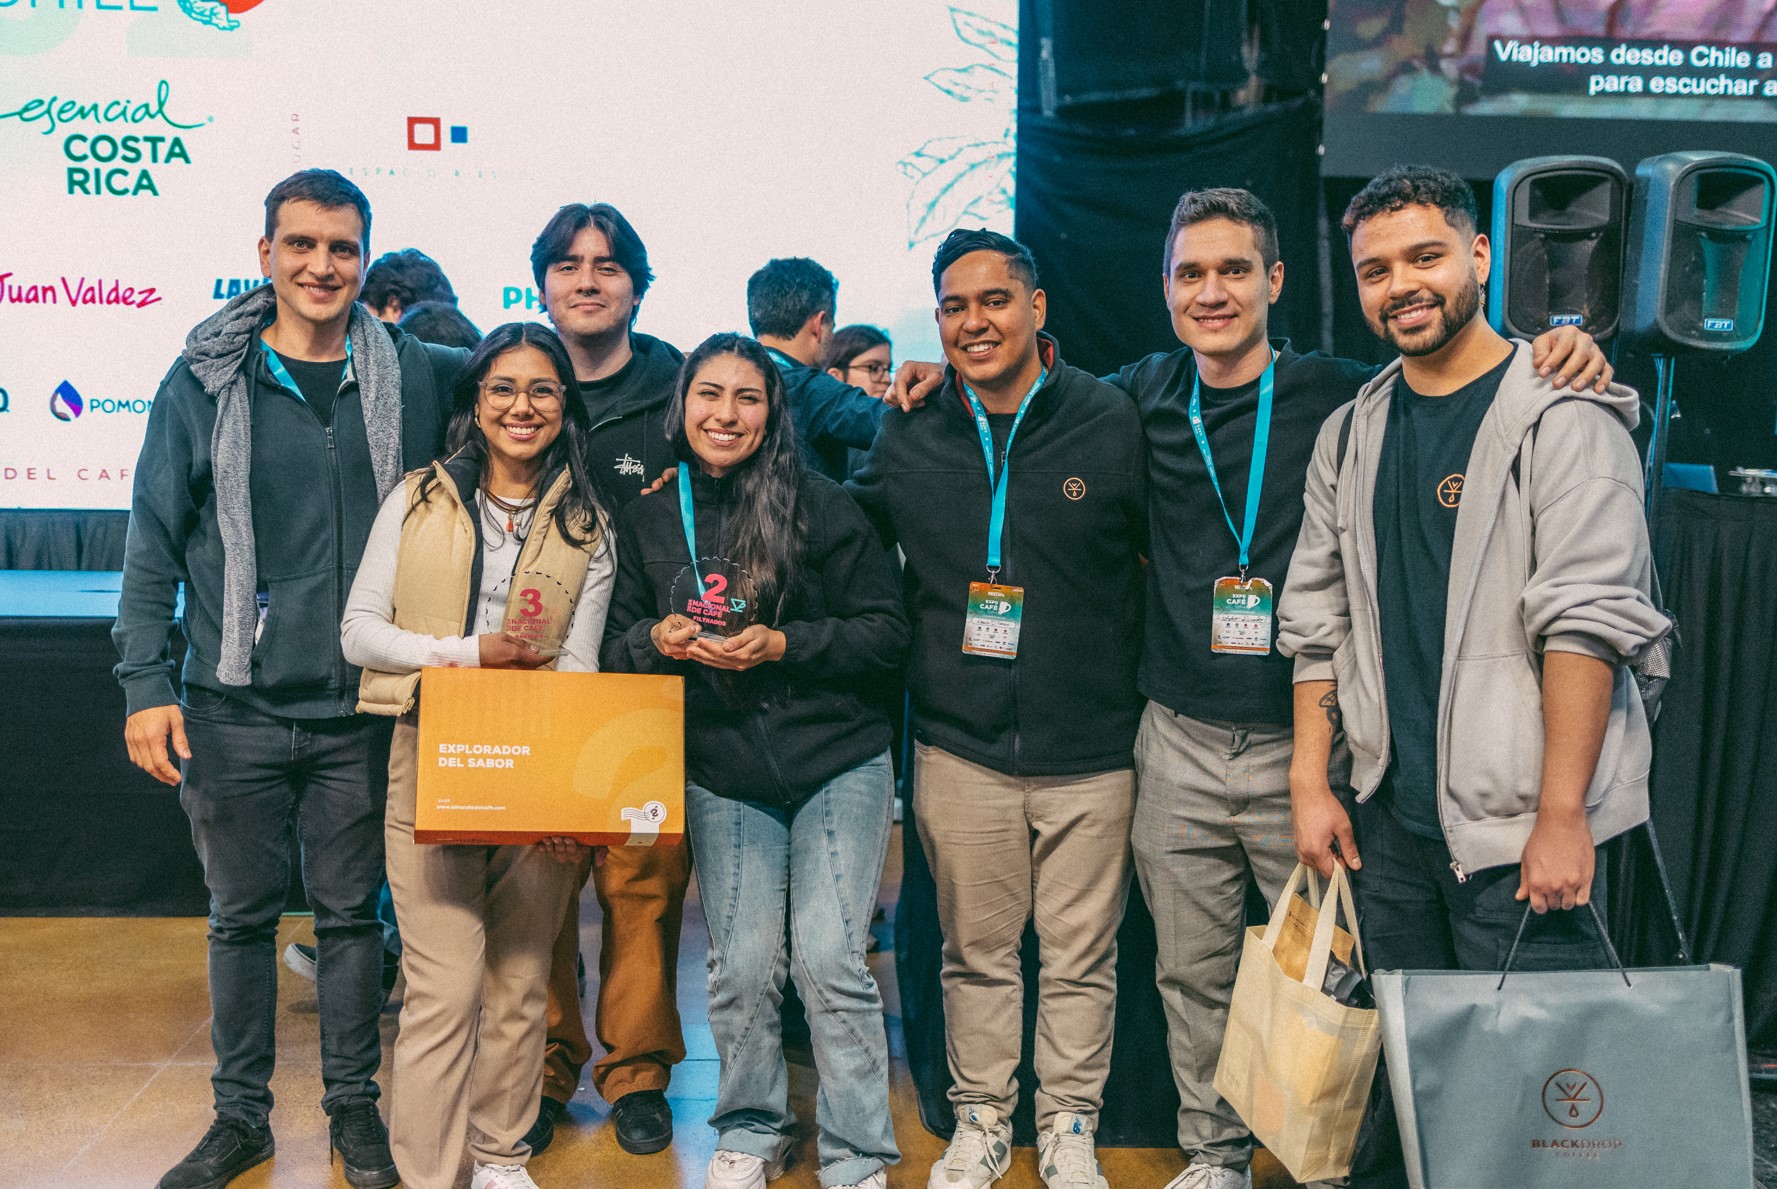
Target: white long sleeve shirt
<point>372,641</point>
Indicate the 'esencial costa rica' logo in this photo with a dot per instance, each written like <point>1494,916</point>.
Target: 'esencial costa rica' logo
<point>107,159</point>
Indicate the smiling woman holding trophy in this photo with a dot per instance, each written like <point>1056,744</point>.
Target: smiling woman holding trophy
<point>762,583</point>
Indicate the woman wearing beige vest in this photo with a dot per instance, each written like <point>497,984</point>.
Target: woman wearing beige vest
<point>506,531</point>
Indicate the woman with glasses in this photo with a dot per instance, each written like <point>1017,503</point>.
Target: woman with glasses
<point>863,357</point>
<point>512,497</point>
<point>762,583</point>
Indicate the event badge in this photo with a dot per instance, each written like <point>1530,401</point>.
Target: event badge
<point>716,595</point>
<point>992,620</point>
<point>1240,620</point>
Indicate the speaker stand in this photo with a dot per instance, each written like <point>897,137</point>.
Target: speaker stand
<point>1664,368</point>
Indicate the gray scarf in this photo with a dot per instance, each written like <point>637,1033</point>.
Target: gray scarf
<point>218,351</point>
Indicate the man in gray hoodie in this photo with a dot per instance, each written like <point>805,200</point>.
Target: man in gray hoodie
<point>1469,586</point>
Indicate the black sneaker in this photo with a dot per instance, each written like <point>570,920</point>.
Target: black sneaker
<point>644,1122</point>
<point>229,1148</point>
<point>357,1133</point>
<point>542,1132</point>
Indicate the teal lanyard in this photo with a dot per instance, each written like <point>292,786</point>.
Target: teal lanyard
<point>1255,479</point>
<point>281,374</point>
<point>686,516</point>
<point>782,360</point>
<point>997,523</point>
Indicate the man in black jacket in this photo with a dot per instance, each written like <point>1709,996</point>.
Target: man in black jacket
<point>1018,495</point>
<point>592,270</point>
<point>291,412</point>
<point>792,304</point>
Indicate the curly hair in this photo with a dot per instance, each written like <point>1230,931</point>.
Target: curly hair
<point>1414,185</point>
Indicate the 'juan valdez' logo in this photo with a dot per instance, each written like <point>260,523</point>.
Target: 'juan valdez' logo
<point>65,402</point>
<point>75,291</point>
<point>112,142</point>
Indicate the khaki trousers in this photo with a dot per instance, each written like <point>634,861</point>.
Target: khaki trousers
<point>1004,850</point>
<point>641,891</point>
<point>476,926</point>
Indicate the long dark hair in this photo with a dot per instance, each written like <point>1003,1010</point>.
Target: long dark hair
<point>772,523</point>
<point>580,513</point>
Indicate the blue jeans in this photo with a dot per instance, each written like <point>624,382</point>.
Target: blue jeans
<point>816,867</point>
<point>250,779</point>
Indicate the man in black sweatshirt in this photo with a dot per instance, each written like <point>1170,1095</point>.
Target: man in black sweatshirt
<point>288,417</point>
<point>792,306</point>
<point>1018,495</point>
<point>592,270</point>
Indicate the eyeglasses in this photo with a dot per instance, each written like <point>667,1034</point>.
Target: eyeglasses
<point>876,371</point>
<point>501,395</point>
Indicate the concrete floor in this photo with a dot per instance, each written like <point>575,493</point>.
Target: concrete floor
<point>105,1062</point>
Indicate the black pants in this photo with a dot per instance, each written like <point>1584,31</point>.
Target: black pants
<point>1414,915</point>
<point>251,779</point>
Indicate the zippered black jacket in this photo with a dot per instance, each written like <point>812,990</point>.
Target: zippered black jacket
<point>314,499</point>
<point>627,448</point>
<point>776,733</point>
<point>1076,524</point>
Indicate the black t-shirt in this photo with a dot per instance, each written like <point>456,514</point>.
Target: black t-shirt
<point>1191,546</point>
<point>1425,454</point>
<point>318,382</point>
<point>601,396</point>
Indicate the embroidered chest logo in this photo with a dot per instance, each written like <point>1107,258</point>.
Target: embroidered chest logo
<point>1450,491</point>
<point>627,465</point>
<point>1074,488</point>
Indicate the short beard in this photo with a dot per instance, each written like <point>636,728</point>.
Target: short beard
<point>1457,312</point>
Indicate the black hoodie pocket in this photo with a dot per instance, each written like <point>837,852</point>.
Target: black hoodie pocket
<point>298,643</point>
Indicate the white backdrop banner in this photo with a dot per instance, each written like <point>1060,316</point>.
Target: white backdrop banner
<point>138,139</point>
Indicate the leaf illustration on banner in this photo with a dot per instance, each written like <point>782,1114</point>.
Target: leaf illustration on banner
<point>995,38</point>
<point>954,179</point>
<point>209,12</point>
<point>959,177</point>
<point>971,83</point>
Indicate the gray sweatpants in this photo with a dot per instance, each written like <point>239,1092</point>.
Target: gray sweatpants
<point>1212,809</point>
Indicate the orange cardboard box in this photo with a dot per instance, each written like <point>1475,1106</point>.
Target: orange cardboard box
<point>510,756</point>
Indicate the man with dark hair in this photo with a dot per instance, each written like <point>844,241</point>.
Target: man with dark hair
<point>1023,784</point>
<point>398,281</point>
<point>1475,555</point>
<point>288,416</point>
<point>792,303</point>
<point>440,322</point>
<point>592,270</point>
<point>1213,753</point>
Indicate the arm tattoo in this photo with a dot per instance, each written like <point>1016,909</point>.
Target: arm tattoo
<point>1329,702</point>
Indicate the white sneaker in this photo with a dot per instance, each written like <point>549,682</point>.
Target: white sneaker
<point>1211,1176</point>
<point>876,1180</point>
<point>738,1170</point>
<point>979,1152</point>
<point>501,1176</point>
<point>1065,1156</point>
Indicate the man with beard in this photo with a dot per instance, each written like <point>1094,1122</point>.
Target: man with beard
<point>1469,586</point>
<point>592,270</point>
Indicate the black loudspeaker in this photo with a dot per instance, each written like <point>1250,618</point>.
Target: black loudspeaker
<point>1699,252</point>
<point>1108,53</point>
<point>1558,246</point>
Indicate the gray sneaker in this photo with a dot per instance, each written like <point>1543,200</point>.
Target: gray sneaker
<point>1211,1176</point>
<point>979,1152</point>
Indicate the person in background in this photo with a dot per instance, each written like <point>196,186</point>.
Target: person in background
<point>592,270</point>
<point>791,306</point>
<point>290,414</point>
<point>788,784</point>
<point>1471,582</point>
<point>440,322</point>
<point>861,356</point>
<point>398,281</point>
<point>1021,474</point>
<point>479,922</point>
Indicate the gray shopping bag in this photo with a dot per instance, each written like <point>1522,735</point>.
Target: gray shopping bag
<point>1569,1080</point>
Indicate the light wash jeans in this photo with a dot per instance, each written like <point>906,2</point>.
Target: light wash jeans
<point>815,867</point>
